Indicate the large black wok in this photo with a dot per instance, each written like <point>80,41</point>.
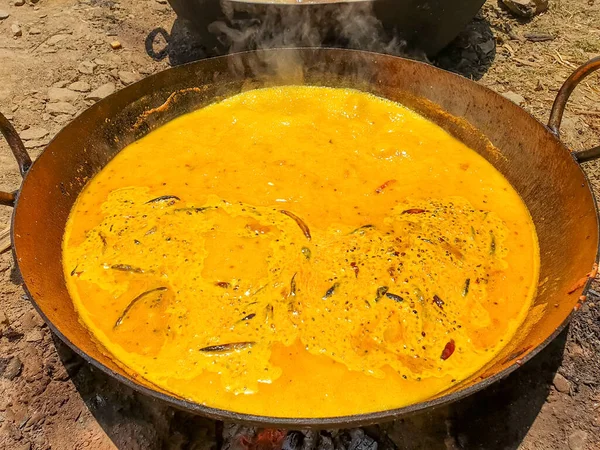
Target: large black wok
<point>530,155</point>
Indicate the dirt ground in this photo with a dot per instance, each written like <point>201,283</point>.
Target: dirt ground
<point>49,398</point>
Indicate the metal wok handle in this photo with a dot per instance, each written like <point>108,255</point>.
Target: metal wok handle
<point>23,160</point>
<point>558,108</point>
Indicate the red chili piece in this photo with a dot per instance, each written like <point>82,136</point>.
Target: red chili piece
<point>414,211</point>
<point>582,281</point>
<point>448,350</point>
<point>382,188</point>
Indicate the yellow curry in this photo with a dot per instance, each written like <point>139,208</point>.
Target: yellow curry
<point>301,252</point>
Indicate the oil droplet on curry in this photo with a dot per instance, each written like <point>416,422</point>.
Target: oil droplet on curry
<point>301,252</point>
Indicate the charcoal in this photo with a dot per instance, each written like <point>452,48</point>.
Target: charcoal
<point>235,436</point>
<point>326,443</point>
<point>239,437</point>
<point>293,441</point>
<point>310,440</point>
<point>360,441</point>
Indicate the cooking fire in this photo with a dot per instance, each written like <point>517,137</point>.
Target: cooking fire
<point>238,437</point>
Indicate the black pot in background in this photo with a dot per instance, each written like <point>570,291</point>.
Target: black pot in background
<point>389,26</point>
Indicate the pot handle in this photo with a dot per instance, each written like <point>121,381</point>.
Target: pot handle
<point>558,108</point>
<point>23,160</point>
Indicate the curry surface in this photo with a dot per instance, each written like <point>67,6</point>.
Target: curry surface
<point>301,252</point>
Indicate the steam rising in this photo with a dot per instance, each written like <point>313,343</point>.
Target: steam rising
<point>251,26</point>
<point>348,25</point>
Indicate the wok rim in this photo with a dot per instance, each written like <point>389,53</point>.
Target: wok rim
<point>353,420</point>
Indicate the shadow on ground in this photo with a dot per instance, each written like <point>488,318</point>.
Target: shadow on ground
<point>470,54</point>
<point>496,418</point>
<point>131,420</point>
